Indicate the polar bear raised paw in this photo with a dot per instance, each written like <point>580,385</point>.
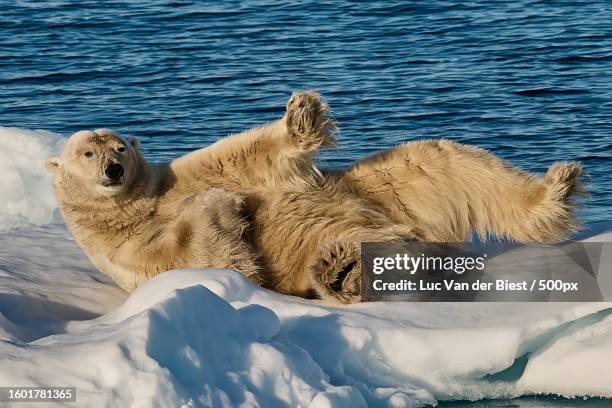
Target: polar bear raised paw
<point>309,122</point>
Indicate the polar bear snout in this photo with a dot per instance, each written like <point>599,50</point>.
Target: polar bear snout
<point>114,171</point>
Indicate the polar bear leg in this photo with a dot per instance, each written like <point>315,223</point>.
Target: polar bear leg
<point>450,190</point>
<point>217,226</point>
<point>270,155</point>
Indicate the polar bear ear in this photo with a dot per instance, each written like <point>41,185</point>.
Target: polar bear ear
<point>135,143</point>
<point>52,164</point>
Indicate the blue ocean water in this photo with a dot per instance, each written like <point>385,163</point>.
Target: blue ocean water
<point>530,80</point>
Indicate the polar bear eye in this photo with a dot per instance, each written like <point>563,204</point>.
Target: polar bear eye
<point>121,149</point>
<point>88,154</point>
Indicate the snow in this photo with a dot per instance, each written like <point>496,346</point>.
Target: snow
<point>210,338</point>
<point>26,190</point>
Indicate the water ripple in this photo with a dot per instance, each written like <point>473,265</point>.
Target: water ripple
<point>530,80</point>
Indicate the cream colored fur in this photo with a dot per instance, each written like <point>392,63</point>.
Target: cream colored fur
<point>256,203</point>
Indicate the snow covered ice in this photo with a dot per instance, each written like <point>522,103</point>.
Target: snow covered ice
<point>27,195</point>
<point>210,338</point>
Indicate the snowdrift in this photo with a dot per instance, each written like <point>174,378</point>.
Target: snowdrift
<point>210,338</point>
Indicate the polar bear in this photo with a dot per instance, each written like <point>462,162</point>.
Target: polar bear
<point>255,202</point>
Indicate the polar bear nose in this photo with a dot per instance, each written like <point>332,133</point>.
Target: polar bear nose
<point>114,171</point>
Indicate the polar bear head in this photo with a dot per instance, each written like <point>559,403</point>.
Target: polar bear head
<point>99,162</point>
